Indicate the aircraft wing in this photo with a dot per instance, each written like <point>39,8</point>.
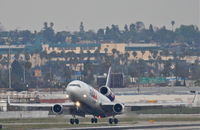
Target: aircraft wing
<point>45,105</point>
<point>168,104</point>
<point>70,104</point>
<point>173,104</point>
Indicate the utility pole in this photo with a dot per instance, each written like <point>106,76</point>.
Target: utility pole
<point>9,67</point>
<point>24,75</point>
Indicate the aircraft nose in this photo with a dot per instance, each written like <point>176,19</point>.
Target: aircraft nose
<point>72,90</point>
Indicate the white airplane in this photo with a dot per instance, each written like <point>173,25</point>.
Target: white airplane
<point>88,101</point>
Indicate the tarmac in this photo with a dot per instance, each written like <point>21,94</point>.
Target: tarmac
<point>141,126</point>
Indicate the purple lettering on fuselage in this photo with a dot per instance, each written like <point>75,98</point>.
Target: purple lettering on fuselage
<point>93,94</point>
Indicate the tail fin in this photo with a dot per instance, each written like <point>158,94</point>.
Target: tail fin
<point>108,81</point>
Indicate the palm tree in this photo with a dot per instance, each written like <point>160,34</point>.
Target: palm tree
<point>106,50</point>
<point>45,25</point>
<point>126,57</point>
<point>142,53</point>
<point>172,23</point>
<point>114,51</point>
<point>51,25</point>
<point>134,54</point>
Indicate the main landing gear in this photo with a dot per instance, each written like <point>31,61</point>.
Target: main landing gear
<point>94,120</point>
<point>113,120</point>
<point>74,121</point>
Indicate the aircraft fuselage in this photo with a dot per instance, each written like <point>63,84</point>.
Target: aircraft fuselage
<point>87,99</point>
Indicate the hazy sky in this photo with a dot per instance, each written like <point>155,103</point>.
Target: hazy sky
<point>67,14</point>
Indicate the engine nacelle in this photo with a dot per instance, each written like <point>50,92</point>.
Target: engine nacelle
<point>58,109</point>
<point>107,92</point>
<point>118,108</point>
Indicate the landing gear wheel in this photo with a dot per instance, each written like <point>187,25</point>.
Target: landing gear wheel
<point>92,120</point>
<point>110,120</point>
<point>72,121</point>
<point>76,121</point>
<point>116,120</point>
<point>95,120</point>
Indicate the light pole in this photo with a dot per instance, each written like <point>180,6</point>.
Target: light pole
<point>24,73</point>
<point>9,67</point>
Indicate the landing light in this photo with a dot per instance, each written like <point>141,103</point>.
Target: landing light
<point>67,96</point>
<point>77,104</point>
<point>84,95</point>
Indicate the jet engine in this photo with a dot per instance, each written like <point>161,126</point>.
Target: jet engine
<point>107,92</point>
<point>118,108</point>
<point>58,109</point>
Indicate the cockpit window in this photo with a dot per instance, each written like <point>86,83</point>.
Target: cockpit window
<point>77,85</point>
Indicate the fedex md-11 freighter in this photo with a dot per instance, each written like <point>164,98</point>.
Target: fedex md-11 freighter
<point>88,101</point>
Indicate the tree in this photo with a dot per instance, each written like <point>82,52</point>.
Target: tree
<point>195,70</point>
<point>188,33</point>
<point>126,28</point>
<point>115,34</point>
<point>126,55</point>
<point>106,50</point>
<point>172,23</point>
<point>114,51</point>
<point>100,34</point>
<point>139,26</point>
<point>17,75</point>
<point>125,35</point>
<point>165,53</point>
<point>81,28</point>
<point>134,54</point>
<point>142,53</point>
<point>51,25</point>
<point>132,28</point>
<point>108,35</point>
<point>155,54</point>
<point>89,35</point>
<point>167,68</point>
<point>27,56</point>
<point>164,36</point>
<point>16,56</point>
<point>151,28</point>
<point>48,32</point>
<point>88,72</point>
<point>75,39</point>
<point>67,73</point>
<point>181,69</point>
<point>61,36</point>
<point>45,25</point>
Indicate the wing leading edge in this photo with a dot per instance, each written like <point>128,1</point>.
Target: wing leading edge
<point>68,104</point>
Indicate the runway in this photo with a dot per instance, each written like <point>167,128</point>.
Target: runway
<point>170,126</point>
<point>140,125</point>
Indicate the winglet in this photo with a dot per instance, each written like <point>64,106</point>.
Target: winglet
<point>108,81</point>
